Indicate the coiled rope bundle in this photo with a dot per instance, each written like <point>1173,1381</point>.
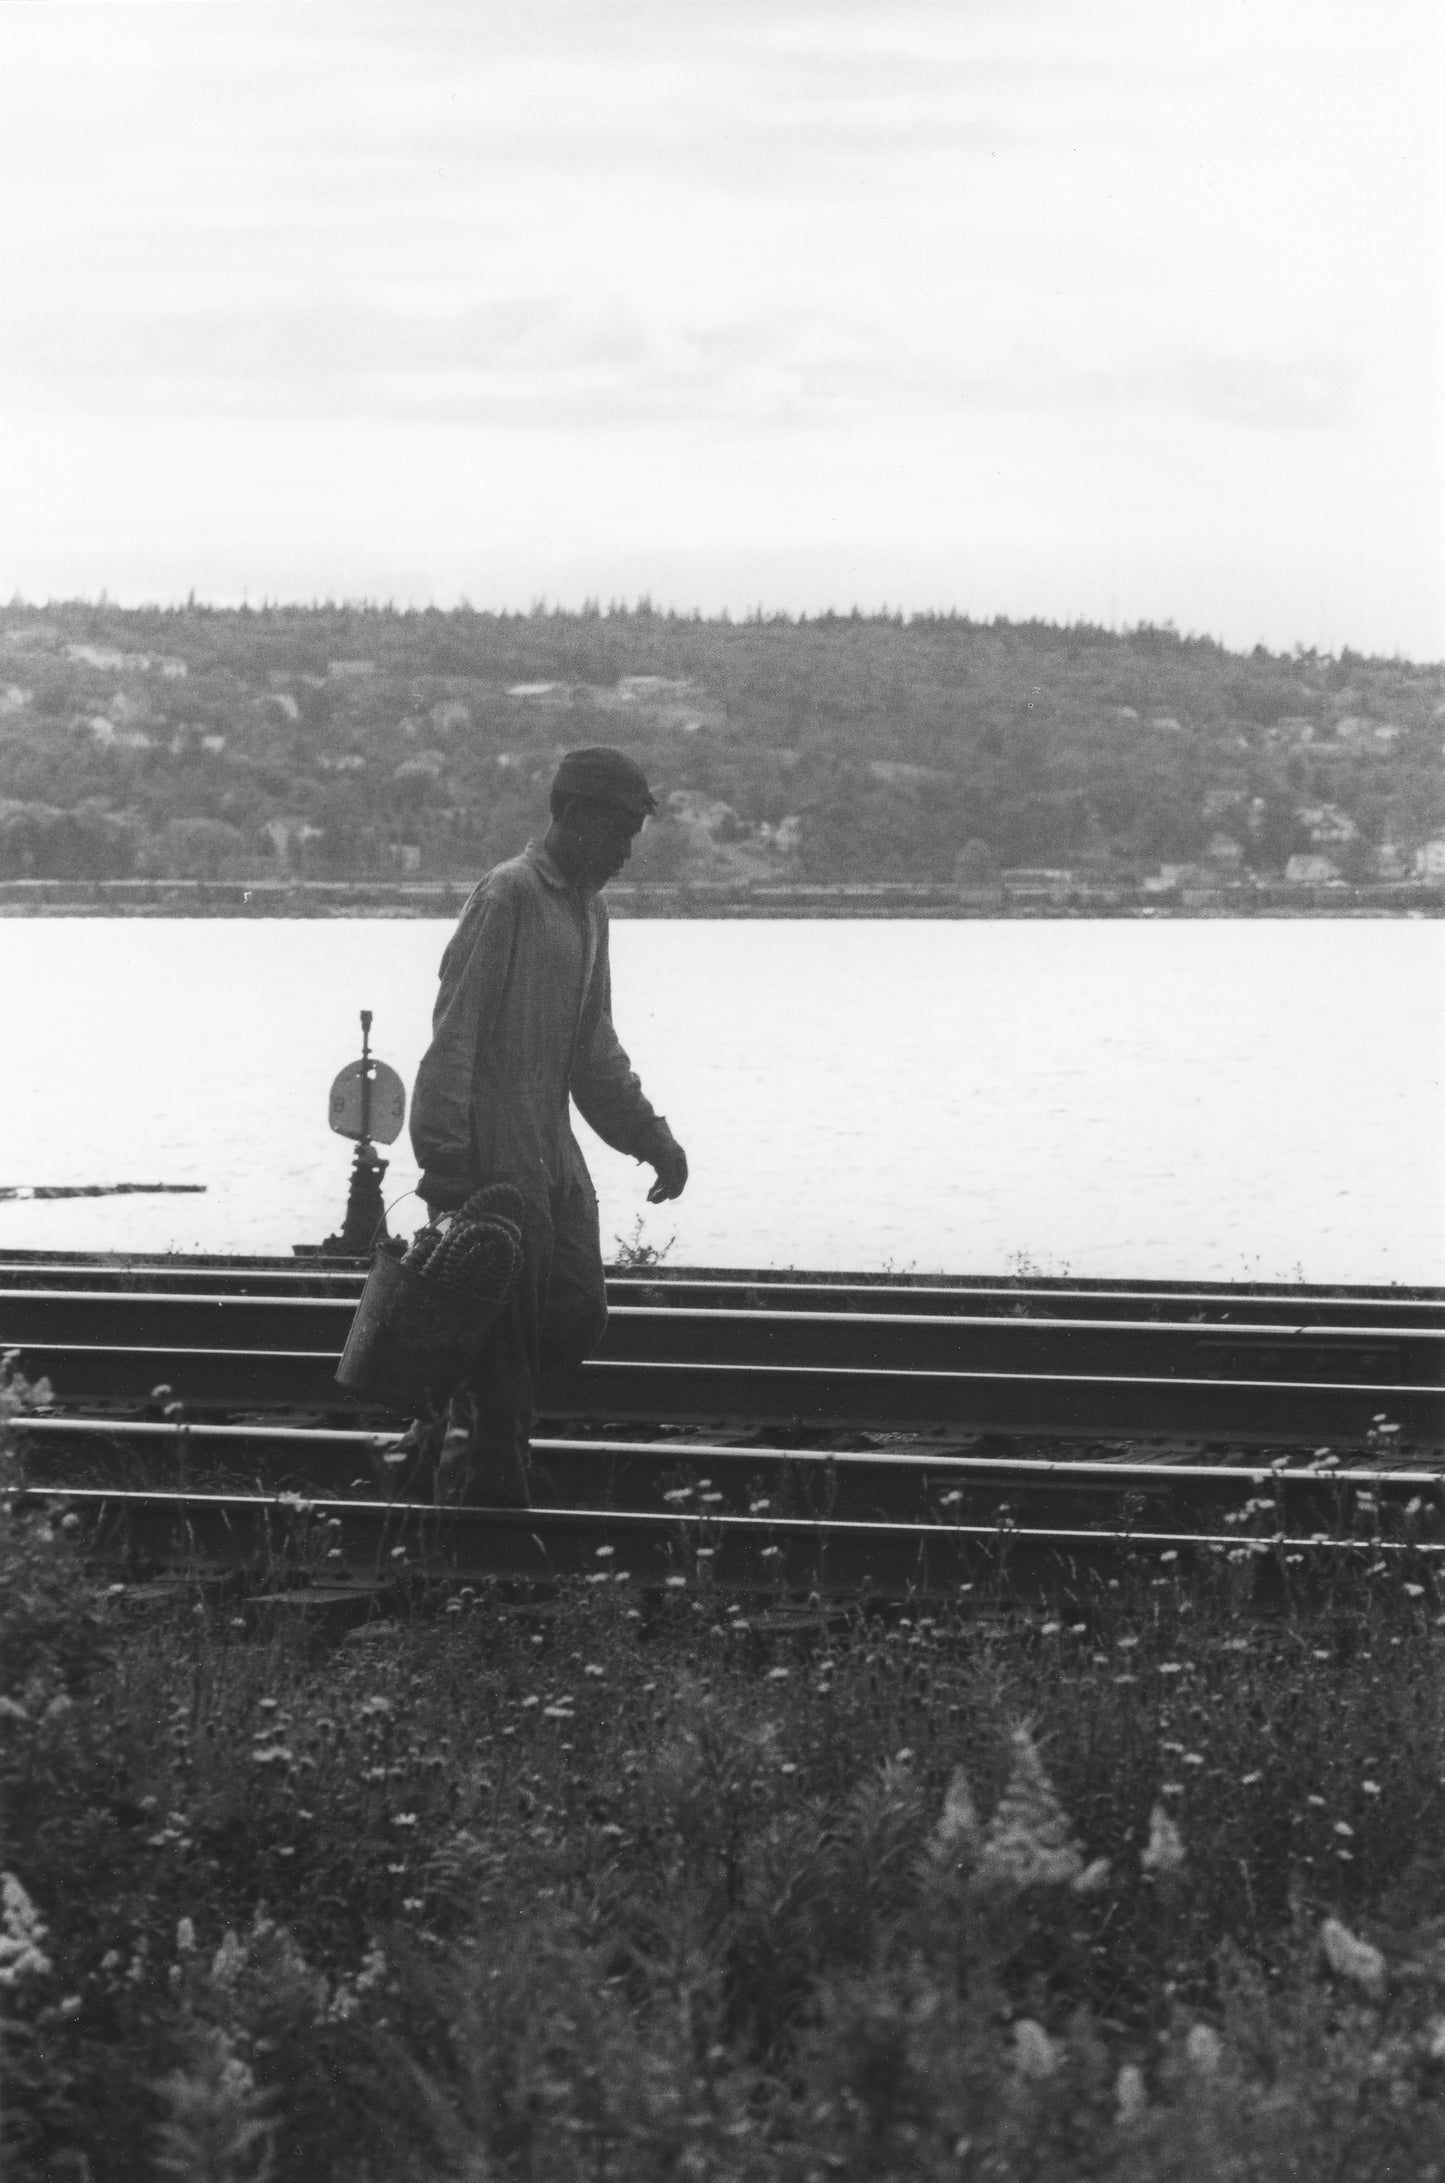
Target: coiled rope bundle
<point>478,1253</point>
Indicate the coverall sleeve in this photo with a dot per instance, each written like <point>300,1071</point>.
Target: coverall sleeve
<point>609,1097</point>
<point>473,980</point>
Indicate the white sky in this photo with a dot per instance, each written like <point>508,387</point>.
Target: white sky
<point>1115,309</point>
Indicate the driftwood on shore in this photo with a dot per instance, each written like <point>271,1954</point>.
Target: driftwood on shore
<point>101,1189</point>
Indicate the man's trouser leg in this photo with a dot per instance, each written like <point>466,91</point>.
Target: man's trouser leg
<point>489,1423</point>
<point>574,1309</point>
<point>555,1317</point>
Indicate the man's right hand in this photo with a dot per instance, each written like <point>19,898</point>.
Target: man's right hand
<point>670,1162</point>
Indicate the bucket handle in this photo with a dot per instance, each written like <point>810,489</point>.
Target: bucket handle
<point>401,1200</point>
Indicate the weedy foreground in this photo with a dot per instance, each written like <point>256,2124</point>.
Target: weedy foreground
<point>625,1887</point>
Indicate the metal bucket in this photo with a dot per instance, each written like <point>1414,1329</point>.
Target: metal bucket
<point>411,1340</point>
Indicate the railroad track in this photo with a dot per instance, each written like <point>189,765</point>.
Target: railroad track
<point>751,1430</point>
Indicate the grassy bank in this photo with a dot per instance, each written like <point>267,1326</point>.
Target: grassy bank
<point>620,1887</point>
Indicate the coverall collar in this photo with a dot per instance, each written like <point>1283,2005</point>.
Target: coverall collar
<point>540,855</point>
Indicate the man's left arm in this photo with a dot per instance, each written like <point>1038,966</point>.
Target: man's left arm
<point>610,1098</point>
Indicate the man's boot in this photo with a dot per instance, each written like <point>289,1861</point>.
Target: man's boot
<point>482,1463</point>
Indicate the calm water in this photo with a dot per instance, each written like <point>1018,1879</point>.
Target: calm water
<point>1209,1100</point>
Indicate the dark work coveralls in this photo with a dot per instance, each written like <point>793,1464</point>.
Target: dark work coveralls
<point>522,1026</point>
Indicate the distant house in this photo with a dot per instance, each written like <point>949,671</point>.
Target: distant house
<point>1170,879</point>
<point>407,854</point>
<point>700,812</point>
<point>1311,871</point>
<point>1327,826</point>
<point>1125,712</point>
<point>1224,852</point>
<point>349,670</point>
<point>541,693</point>
<point>1166,724</point>
<point>1430,861</point>
<point>287,835</point>
<point>103,656</point>
<point>213,745</point>
<point>1353,730</point>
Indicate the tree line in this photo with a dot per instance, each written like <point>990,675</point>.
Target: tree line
<point>355,741</point>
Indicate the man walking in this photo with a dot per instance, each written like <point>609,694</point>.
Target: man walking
<point>523,1026</point>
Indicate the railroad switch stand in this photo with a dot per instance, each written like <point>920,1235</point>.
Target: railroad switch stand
<point>367,1103</point>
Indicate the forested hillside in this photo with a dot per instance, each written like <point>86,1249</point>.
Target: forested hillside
<point>343,742</point>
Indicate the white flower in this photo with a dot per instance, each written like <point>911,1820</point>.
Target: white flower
<point>1352,1958</point>
<point>1164,1851</point>
<point>1034,2055</point>
<point>1130,2097</point>
<point>1029,1842</point>
<point>958,1834</point>
<point>1204,2049</point>
<point>22,1929</point>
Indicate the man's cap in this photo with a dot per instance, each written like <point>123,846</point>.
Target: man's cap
<point>605,776</point>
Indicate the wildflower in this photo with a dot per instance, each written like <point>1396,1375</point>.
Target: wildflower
<point>1248,1781</point>
<point>777,1675</point>
<point>1164,1851</point>
<point>1436,2047</point>
<point>1352,1958</point>
<point>1342,1826</point>
<point>22,1929</point>
<point>1130,2097</point>
<point>1371,1788</point>
<point>185,1937</point>
<point>675,1584</point>
<point>759,1508</point>
<point>1204,2050</point>
<point>403,1819</point>
<point>1034,2055</point>
<point>593,1669</point>
<point>1028,1842</point>
<point>958,1835</point>
<point>605,1553</point>
<point>1094,1878</point>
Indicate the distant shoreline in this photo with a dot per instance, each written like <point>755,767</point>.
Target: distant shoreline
<point>271,899</point>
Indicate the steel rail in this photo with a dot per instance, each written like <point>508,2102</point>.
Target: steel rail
<point>1297,1305</point>
<point>647,1333</point>
<point>317,1444</point>
<point>1286,1412</point>
<point>714,1554</point>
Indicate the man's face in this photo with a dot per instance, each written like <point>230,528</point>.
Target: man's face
<point>604,836</point>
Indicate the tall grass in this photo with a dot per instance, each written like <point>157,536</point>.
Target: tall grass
<point>614,1887</point>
